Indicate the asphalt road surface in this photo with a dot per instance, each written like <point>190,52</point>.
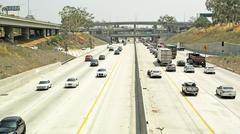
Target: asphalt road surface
<point>107,105</point>
<point>167,110</point>
<point>97,105</point>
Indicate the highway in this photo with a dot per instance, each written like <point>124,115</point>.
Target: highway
<point>107,105</point>
<point>97,105</point>
<point>167,109</point>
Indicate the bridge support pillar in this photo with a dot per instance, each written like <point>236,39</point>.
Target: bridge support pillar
<point>9,36</point>
<point>37,33</point>
<point>26,33</point>
<point>50,32</point>
<point>43,32</point>
<point>56,31</point>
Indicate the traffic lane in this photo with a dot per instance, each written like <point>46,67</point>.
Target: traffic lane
<point>27,94</point>
<point>222,77</point>
<point>225,76</point>
<point>113,113</point>
<point>216,111</point>
<point>74,105</point>
<point>165,108</point>
<point>8,90</point>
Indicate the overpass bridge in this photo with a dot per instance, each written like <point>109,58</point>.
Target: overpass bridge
<point>27,27</point>
<point>153,29</point>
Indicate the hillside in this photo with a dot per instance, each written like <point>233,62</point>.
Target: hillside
<point>217,33</point>
<point>213,36</point>
<point>20,57</point>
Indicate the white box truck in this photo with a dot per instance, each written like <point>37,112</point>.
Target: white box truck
<point>164,56</point>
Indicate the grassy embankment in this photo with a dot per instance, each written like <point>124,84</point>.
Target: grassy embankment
<point>225,32</point>
<point>19,57</point>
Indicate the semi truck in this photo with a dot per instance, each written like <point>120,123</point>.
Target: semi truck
<point>196,59</point>
<point>173,48</point>
<point>164,56</point>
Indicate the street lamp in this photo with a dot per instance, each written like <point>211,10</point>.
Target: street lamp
<point>28,8</point>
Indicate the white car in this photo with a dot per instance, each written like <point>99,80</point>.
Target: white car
<point>59,48</point>
<point>71,82</point>
<point>154,73</point>
<point>226,91</point>
<point>44,85</point>
<point>189,68</point>
<point>101,72</point>
<point>34,47</point>
<point>209,70</point>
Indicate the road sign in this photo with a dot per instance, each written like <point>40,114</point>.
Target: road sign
<point>205,47</point>
<point>11,8</point>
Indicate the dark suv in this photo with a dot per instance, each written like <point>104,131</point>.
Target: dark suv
<point>94,62</point>
<point>12,125</point>
<point>101,57</point>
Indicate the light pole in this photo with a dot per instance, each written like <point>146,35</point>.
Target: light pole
<point>28,7</point>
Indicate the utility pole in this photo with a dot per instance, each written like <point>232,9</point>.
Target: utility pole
<point>28,7</point>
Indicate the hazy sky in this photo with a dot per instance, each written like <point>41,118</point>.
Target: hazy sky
<point>113,10</point>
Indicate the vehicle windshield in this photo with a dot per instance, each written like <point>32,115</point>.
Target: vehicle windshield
<point>8,124</point>
<point>101,70</point>
<point>191,84</point>
<point>71,79</point>
<point>155,71</point>
<point>227,88</point>
<point>43,82</point>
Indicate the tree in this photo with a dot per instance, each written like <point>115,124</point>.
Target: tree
<point>202,22</point>
<point>224,10</point>
<point>166,20</point>
<point>75,18</point>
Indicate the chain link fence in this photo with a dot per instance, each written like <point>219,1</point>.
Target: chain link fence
<point>216,48</point>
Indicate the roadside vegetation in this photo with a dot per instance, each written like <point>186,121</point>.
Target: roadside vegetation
<point>16,59</point>
<point>225,27</point>
<point>30,54</point>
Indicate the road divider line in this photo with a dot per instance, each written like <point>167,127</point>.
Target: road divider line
<point>171,81</point>
<point>102,89</point>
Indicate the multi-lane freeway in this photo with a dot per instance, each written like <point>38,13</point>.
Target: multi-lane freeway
<point>107,105</point>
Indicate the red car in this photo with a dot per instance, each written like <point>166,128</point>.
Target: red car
<point>88,57</point>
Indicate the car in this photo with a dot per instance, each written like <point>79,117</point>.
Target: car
<point>34,47</point>
<point>120,48</point>
<point>84,48</point>
<point>116,52</point>
<point>125,43</point>
<point>154,73</point>
<point>12,125</point>
<point>189,68</point>
<point>101,72</point>
<point>71,82</point>
<point>226,91</point>
<point>171,67</point>
<point>44,85</point>
<point>190,88</point>
<point>111,48</point>
<point>101,57</point>
<point>181,63</point>
<point>88,57</point>
<point>94,62</point>
<point>209,70</point>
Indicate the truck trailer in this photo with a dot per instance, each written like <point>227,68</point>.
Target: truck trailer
<point>164,56</point>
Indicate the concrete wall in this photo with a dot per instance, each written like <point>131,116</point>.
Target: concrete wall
<point>215,48</point>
